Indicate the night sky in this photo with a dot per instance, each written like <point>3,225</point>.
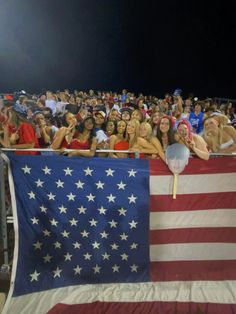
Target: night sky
<point>147,46</point>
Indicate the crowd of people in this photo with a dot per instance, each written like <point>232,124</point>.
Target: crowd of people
<point>123,124</point>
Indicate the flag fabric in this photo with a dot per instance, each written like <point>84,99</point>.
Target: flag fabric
<point>106,236</point>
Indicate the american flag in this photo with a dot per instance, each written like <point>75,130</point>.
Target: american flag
<point>106,236</point>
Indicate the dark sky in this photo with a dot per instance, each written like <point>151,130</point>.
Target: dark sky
<point>145,46</point>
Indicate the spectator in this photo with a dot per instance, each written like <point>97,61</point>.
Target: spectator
<point>196,117</point>
<point>119,141</point>
<point>165,132</point>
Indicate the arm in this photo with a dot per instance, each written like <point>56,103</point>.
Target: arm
<point>145,146</point>
<point>156,143</point>
<point>59,136</point>
<point>199,147</point>
<point>230,131</point>
<point>111,146</point>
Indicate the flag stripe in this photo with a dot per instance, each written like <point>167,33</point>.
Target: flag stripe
<point>213,165</point>
<point>193,184</point>
<point>193,235</point>
<point>143,307</point>
<point>194,251</point>
<point>194,219</point>
<point>193,270</point>
<point>184,202</point>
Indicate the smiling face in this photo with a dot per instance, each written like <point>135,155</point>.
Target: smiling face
<point>110,127</point>
<point>121,127</point>
<point>164,125</point>
<point>143,130</point>
<point>183,130</point>
<point>71,119</point>
<point>89,124</point>
<point>211,126</point>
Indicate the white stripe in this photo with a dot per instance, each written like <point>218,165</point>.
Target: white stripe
<point>193,252</point>
<point>193,219</point>
<point>194,184</point>
<point>177,291</point>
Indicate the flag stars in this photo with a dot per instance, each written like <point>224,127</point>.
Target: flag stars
<point>46,170</point>
<point>43,209</point>
<point>109,172</point>
<point>39,183</point>
<point>133,246</point>
<point>37,245</point>
<point>132,199</point>
<point>51,196</point>
<point>106,256</point>
<point>121,185</point>
<point>96,269</point>
<point>122,211</point>
<point>46,233</point>
<point>65,234</point>
<point>57,245</point>
<point>68,171</point>
<point>96,245</point>
<point>62,209</point>
<point>99,185</point>
<point>34,276</point>
<point>79,184</point>
<point>88,172</point>
<point>111,198</point>
<point>124,257</point>
<point>35,221</point>
<point>115,268</point>
<point>133,224</point>
<point>134,268</point>
<point>132,173</point>
<point>87,256</point>
<point>102,210</point>
<point>77,269</point>
<point>73,222</point>
<point>57,272</point>
<point>84,234</point>
<point>67,257</point>
<point>82,209</point>
<point>77,245</point>
<point>123,237</point>
<point>60,184</point>
<point>114,246</point>
<point>71,197</point>
<point>93,222</point>
<point>26,169</point>
<point>104,235</point>
<point>47,258</point>
<point>90,197</point>
<point>54,222</point>
<point>113,223</point>
<point>31,195</point>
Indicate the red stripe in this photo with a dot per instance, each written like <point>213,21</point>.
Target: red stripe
<point>197,166</point>
<point>184,202</point>
<point>193,270</point>
<point>143,308</point>
<point>193,235</point>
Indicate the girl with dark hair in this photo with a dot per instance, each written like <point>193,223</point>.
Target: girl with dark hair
<point>85,139</point>
<point>119,141</point>
<point>165,132</point>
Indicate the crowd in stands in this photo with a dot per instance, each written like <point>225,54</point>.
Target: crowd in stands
<point>86,122</point>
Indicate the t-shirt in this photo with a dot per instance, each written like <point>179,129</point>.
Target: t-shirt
<point>196,122</point>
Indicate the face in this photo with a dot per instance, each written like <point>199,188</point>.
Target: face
<point>121,126</point>
<point>183,130</point>
<point>110,127</point>
<point>164,125</point>
<point>71,119</point>
<point>40,119</point>
<point>114,115</point>
<point>136,115</point>
<point>125,116</point>
<point>99,119</point>
<point>155,117</point>
<point>210,125</point>
<point>89,124</point>
<point>130,127</point>
<point>143,131</point>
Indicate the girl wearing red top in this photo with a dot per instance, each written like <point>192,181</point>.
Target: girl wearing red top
<point>119,141</point>
<point>85,139</point>
<point>24,135</point>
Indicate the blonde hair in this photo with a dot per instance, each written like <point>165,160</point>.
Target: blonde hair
<point>148,129</point>
<point>136,132</point>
